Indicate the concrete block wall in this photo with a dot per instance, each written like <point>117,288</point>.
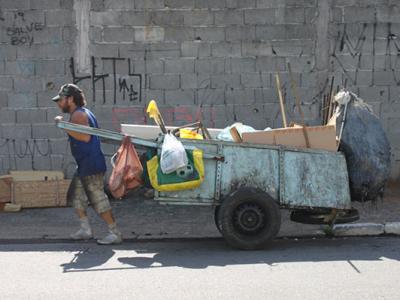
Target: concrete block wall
<point>208,59</point>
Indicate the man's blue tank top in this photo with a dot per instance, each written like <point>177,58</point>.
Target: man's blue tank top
<point>89,157</point>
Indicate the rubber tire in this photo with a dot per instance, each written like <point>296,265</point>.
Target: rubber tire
<point>216,218</point>
<point>242,241</point>
<point>315,218</point>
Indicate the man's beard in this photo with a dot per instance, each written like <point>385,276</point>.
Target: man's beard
<point>65,109</point>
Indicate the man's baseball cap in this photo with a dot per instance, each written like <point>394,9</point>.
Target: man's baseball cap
<point>67,90</point>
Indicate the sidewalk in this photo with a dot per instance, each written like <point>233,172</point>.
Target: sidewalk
<point>139,218</point>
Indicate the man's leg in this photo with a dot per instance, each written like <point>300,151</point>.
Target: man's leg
<point>94,187</point>
<point>77,197</point>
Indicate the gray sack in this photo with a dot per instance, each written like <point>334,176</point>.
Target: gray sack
<point>366,148</point>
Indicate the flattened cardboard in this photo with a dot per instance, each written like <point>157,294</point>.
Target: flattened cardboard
<point>320,137</point>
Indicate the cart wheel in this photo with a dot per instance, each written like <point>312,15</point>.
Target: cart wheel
<point>249,219</point>
<point>217,219</point>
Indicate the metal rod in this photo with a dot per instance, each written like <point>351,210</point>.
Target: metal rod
<point>278,86</point>
<point>116,136</point>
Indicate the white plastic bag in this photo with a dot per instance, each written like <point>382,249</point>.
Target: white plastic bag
<point>225,134</point>
<point>173,155</point>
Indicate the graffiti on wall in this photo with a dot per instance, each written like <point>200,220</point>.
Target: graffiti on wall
<point>127,87</point>
<point>21,32</point>
<point>356,46</point>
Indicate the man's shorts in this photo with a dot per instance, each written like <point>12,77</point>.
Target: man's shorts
<point>88,190</point>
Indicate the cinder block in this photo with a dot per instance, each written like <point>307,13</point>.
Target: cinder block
<point>67,4</point>
<point>209,4</point>
<point>3,99</point>
<point>181,65</point>
<point>303,31</point>
<point>69,33</point>
<point>210,33</point>
<point>210,65</point>
<point>245,64</point>
<point>259,16</point>
<point>226,50</point>
<point>302,64</point>
<point>104,18</point>
<point>290,15</point>
<point>6,83</point>
<point>8,52</point>
<point>236,33</point>
<point>252,80</point>
<point>31,115</point>
<point>119,4</point>
<point>7,115</point>
<point>271,32</point>
<point>46,131</point>
<point>179,4</point>
<point>12,4</point>
<point>118,34</point>
<point>134,18</point>
<point>210,96</point>
<point>359,229</point>
<point>241,3</point>
<point>248,111</point>
<point>23,100</point>
<point>383,78</point>
<point>50,67</point>
<point>195,49</point>
<point>354,14</point>
<point>179,97</point>
<point>293,47</point>
<point>163,54</point>
<point>266,95</point>
<point>240,96</point>
<point>166,81</point>
<point>60,17</point>
<point>59,146</point>
<point>229,17</point>
<point>225,81</point>
<point>270,64</point>
<point>146,4</point>
<point>177,34</point>
<point>256,49</point>
<point>20,67</point>
<point>27,84</point>
<point>24,163</point>
<point>189,81</point>
<point>44,4</point>
<point>149,34</point>
<point>386,13</point>
<point>17,131</point>
<point>198,17</point>
<point>166,17</point>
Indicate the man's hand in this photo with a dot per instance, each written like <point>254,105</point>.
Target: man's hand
<point>58,119</point>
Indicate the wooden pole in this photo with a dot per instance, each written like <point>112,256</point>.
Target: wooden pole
<point>330,100</point>
<point>278,86</point>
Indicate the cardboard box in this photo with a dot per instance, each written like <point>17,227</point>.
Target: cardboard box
<point>40,193</point>
<point>36,175</point>
<point>5,188</point>
<point>320,137</point>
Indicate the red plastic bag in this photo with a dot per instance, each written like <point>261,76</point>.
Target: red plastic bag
<point>127,172</point>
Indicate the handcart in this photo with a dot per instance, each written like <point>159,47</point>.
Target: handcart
<point>248,184</point>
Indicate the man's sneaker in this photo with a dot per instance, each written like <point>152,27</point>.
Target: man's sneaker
<point>111,238</point>
<point>82,234</point>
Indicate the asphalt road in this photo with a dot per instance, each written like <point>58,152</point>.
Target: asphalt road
<point>352,268</point>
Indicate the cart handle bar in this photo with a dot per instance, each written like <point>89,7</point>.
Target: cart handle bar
<point>117,136</point>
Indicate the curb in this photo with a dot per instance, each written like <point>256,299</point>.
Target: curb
<point>366,229</point>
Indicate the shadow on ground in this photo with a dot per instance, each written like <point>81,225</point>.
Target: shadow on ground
<point>89,257</point>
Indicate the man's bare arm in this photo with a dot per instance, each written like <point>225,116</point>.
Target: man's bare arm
<point>79,117</point>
